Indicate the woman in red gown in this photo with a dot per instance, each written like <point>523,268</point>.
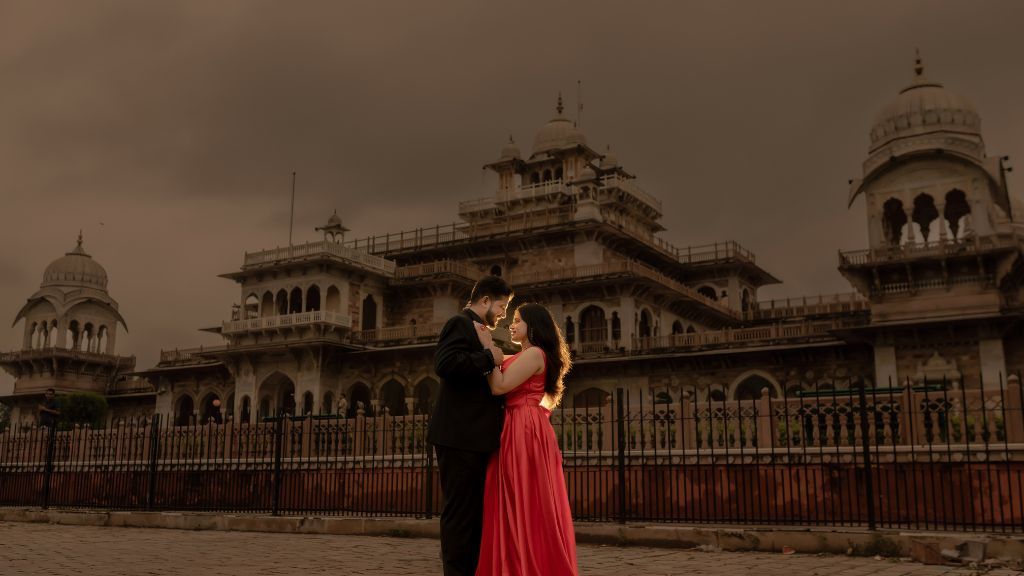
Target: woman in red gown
<point>527,521</point>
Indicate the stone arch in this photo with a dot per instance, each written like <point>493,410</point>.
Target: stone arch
<point>748,386</point>
<point>102,339</point>
<point>924,214</point>
<point>88,336</point>
<point>277,394</point>
<point>677,327</point>
<point>592,397</point>
<point>51,339</point>
<point>184,410</point>
<point>208,410</point>
<point>308,404</point>
<point>359,392</point>
<point>894,218</point>
<point>392,397</point>
<point>645,324</point>
<point>313,298</point>
<point>956,213</point>
<point>295,301</point>
<point>691,329</point>
<point>547,175</point>
<point>251,306</point>
<point>281,302</point>
<point>245,411</point>
<point>369,321</point>
<point>267,304</point>
<point>333,299</point>
<point>708,292</point>
<point>425,395</point>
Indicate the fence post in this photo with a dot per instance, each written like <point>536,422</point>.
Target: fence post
<point>765,430</point>
<point>865,442</point>
<point>1014,422</point>
<point>154,455</point>
<point>275,496</point>
<point>621,436</point>
<point>429,500</point>
<point>51,442</point>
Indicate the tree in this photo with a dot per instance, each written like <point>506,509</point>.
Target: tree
<point>82,408</point>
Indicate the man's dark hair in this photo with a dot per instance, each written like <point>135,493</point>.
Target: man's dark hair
<point>493,286</point>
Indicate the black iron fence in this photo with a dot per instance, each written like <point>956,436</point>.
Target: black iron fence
<point>925,455</point>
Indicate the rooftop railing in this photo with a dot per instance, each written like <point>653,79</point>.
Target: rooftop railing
<point>345,253</point>
<point>941,248</point>
<point>288,320</point>
<point>808,306</point>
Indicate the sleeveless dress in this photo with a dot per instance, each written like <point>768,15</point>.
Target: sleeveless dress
<point>527,521</point>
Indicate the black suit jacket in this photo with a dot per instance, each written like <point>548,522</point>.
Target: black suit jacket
<point>467,416</point>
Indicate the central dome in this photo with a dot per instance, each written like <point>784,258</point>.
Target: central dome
<point>76,268</point>
<point>559,133</point>
<point>924,107</point>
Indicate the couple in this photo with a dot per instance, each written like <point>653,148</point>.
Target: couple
<point>506,510</point>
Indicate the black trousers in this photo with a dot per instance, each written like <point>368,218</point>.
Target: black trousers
<point>463,473</point>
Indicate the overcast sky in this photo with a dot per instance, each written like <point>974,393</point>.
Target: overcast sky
<point>168,131</point>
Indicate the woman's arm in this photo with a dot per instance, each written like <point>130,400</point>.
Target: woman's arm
<point>529,362</point>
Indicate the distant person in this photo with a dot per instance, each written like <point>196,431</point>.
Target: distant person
<point>527,525</point>
<point>466,423</point>
<point>49,409</point>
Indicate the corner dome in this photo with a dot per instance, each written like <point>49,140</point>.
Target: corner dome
<point>559,133</point>
<point>75,268</point>
<point>924,107</point>
<point>510,151</point>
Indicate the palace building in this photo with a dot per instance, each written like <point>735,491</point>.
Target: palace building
<point>349,324</point>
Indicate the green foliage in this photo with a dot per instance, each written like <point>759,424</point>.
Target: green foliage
<point>82,408</point>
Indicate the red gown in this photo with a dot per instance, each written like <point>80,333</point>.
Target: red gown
<point>527,521</point>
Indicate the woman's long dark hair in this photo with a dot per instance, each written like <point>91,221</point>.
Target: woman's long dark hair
<point>542,332</point>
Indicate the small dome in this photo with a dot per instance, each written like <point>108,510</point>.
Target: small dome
<point>922,108</point>
<point>334,220</point>
<point>559,133</point>
<point>510,150</point>
<point>586,174</point>
<point>76,268</point>
<point>609,160</point>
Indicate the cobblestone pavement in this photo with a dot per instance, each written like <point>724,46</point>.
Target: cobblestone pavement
<point>49,549</point>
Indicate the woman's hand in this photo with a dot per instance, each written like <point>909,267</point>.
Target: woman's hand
<point>484,334</point>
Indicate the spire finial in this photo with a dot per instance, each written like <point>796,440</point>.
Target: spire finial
<point>79,238</point>
<point>918,65</point>
<point>559,108</point>
<point>510,140</point>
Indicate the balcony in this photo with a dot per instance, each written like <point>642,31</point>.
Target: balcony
<point>920,250</point>
<point>350,255</point>
<point>415,272</point>
<point>534,191</point>
<point>188,355</point>
<point>629,268</point>
<point>738,337</point>
<point>302,319</point>
<point>412,333</point>
<point>485,204</point>
<point>630,186</point>
<point>64,353</point>
<point>807,306</point>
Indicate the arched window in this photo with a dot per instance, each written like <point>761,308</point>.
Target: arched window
<point>267,305</point>
<point>282,302</point>
<point>894,218</point>
<point>183,414</point>
<point>72,335</point>
<point>264,407</point>
<point>616,327</point>
<point>51,341</point>
<point>359,393</point>
<point>307,403</point>
<point>425,394</point>
<point>691,330</point>
<point>924,214</point>
<point>645,324</point>
<point>333,299</point>
<point>328,406</point>
<point>955,212</point>
<point>88,337</point>
<point>211,411</point>
<point>677,327</point>
<point>245,412</point>
<point>534,178</point>
<point>547,175</point>
<point>251,309</point>
<point>708,292</point>
<point>295,301</point>
<point>750,388</point>
<point>590,398</point>
<point>369,313</point>
<point>392,396</point>
<point>102,340</point>
<point>313,298</point>
<point>593,327</point>
<point>570,330</point>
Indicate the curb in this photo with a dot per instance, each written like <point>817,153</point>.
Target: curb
<point>926,547</point>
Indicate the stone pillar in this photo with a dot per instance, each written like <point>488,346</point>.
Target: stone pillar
<point>911,235</point>
<point>993,362</point>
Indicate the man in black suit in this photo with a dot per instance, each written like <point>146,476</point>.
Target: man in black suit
<point>466,424</point>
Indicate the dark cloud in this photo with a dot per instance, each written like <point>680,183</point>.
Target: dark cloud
<point>178,125</point>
